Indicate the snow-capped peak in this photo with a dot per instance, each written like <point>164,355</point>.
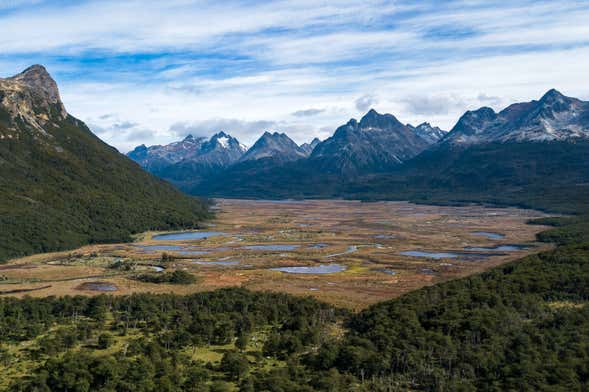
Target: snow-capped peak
<point>223,141</point>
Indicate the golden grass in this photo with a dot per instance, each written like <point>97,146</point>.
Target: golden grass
<point>337,223</point>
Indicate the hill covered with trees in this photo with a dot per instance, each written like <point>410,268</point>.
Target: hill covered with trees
<point>61,186</point>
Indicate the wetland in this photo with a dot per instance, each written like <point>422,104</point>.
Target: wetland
<point>347,253</point>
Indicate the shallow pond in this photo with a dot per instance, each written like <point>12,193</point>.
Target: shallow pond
<point>193,252</point>
<point>431,255</point>
<point>318,246</point>
<point>97,286</point>
<point>385,236</point>
<point>279,248</point>
<point>161,247</point>
<point>503,248</point>
<point>387,271</point>
<point>188,235</point>
<point>351,249</point>
<point>488,234</point>
<point>319,269</point>
<point>216,262</point>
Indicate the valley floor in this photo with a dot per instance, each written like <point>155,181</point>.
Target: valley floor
<point>352,254</point>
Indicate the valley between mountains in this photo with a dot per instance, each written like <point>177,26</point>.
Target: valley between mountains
<point>346,253</point>
<point>388,257</point>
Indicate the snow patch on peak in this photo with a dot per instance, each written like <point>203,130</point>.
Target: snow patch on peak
<point>223,141</point>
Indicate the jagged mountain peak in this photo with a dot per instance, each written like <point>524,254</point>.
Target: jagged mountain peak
<point>553,117</point>
<point>31,98</point>
<point>275,145</point>
<point>375,120</point>
<point>552,95</point>
<point>309,147</point>
<point>223,141</point>
<point>427,132</point>
<point>220,150</point>
<point>377,142</point>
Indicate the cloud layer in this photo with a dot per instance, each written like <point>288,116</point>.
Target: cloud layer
<point>151,71</point>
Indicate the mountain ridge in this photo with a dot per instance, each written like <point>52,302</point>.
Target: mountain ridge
<point>62,187</point>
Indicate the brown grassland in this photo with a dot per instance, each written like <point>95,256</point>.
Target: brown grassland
<point>365,238</point>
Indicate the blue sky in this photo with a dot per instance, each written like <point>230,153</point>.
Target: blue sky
<point>153,71</point>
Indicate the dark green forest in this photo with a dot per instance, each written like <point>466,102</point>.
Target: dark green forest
<point>522,326</point>
<point>546,176</point>
<point>73,189</point>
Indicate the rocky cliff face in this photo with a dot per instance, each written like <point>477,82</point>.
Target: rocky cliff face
<point>427,132</point>
<point>554,117</point>
<point>61,186</point>
<point>309,147</point>
<point>277,146</point>
<point>29,101</point>
<point>376,142</point>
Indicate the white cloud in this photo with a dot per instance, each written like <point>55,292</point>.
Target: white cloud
<point>139,70</point>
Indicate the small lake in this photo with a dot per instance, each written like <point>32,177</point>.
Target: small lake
<point>278,248</point>
<point>216,262</point>
<point>157,268</point>
<point>193,252</point>
<point>387,271</point>
<point>503,248</point>
<point>431,255</point>
<point>351,249</point>
<point>161,247</point>
<point>188,235</point>
<point>318,246</point>
<point>98,286</point>
<point>319,269</point>
<point>488,234</point>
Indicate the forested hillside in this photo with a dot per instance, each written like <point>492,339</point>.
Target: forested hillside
<point>522,326</point>
<point>61,186</point>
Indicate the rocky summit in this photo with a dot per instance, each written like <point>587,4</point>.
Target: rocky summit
<point>376,142</point>
<point>275,146</point>
<point>29,101</point>
<point>555,117</point>
<point>61,186</point>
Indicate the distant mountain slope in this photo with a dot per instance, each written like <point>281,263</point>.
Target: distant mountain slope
<point>427,132</point>
<point>376,143</point>
<point>531,154</point>
<point>277,146</point>
<point>61,186</point>
<point>309,147</point>
<point>187,162</point>
<point>154,158</point>
<point>554,117</point>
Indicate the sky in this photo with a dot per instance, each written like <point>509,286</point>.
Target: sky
<point>152,72</point>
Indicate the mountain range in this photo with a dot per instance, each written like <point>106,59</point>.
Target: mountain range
<point>527,151</point>
<point>375,143</point>
<point>61,186</point>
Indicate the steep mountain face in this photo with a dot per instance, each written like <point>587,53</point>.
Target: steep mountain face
<point>187,162</point>
<point>220,150</point>
<point>61,186</point>
<point>29,102</point>
<point>554,117</point>
<point>277,146</point>
<point>428,133</point>
<point>309,147</point>
<point>154,158</point>
<point>376,143</point>
<point>530,154</point>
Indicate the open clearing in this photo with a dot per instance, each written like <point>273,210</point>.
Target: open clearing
<point>355,253</point>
